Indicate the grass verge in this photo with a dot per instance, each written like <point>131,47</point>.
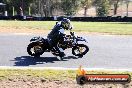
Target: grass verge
<point>119,28</point>
<point>52,74</point>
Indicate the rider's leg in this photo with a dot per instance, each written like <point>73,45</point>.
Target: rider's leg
<point>60,51</point>
<point>53,45</point>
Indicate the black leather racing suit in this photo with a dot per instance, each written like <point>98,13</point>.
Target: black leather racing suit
<point>55,36</point>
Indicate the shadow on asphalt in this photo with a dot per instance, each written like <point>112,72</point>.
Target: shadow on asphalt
<point>28,60</point>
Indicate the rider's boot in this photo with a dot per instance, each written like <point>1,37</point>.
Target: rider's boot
<point>61,55</point>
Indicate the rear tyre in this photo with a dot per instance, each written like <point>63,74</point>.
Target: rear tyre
<point>35,49</point>
<point>80,50</point>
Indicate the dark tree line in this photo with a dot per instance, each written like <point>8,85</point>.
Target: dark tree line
<point>62,7</point>
<point>15,6</point>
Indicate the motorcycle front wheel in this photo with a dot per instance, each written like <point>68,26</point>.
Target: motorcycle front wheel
<point>35,49</point>
<point>80,50</point>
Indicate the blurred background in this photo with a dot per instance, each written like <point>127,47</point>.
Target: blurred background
<point>78,8</point>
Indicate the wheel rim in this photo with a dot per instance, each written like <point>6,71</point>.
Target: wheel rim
<point>79,50</point>
<point>36,49</point>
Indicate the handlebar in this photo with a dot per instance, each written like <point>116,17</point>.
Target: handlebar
<point>72,33</point>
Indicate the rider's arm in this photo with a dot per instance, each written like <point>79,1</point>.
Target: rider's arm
<point>61,33</point>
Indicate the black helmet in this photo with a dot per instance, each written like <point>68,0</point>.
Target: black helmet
<point>66,24</point>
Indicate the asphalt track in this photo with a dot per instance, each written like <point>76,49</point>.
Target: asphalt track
<point>106,51</point>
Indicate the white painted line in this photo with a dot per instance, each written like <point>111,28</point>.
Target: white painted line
<point>22,33</point>
<point>61,68</point>
<point>7,34</point>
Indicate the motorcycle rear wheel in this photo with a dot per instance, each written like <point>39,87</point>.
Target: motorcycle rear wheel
<point>80,50</point>
<point>35,49</point>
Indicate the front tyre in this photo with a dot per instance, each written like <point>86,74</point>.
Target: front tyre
<point>35,49</point>
<point>80,50</point>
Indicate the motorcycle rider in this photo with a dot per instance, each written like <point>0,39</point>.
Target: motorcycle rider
<point>57,34</point>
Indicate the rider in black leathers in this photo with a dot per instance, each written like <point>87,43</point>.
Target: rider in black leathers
<point>57,34</point>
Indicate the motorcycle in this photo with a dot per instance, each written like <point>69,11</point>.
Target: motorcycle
<point>39,45</point>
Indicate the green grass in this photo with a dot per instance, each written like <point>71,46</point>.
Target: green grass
<point>105,27</point>
<point>48,74</point>
<point>120,28</point>
<point>44,25</point>
<point>52,74</point>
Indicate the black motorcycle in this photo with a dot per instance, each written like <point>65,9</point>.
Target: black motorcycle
<point>39,45</point>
